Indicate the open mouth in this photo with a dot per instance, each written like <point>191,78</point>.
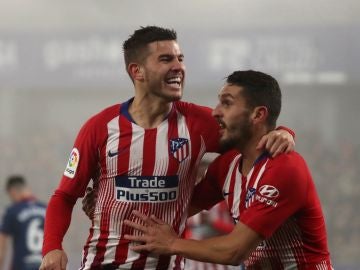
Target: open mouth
<point>221,125</point>
<point>174,81</point>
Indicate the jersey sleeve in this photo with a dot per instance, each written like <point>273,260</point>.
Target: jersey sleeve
<point>83,161</point>
<point>81,167</point>
<point>281,192</point>
<point>210,129</point>
<point>204,123</point>
<point>288,130</point>
<point>6,225</point>
<point>57,221</point>
<point>208,192</point>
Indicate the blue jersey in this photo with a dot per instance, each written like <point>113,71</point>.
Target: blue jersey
<point>24,223</point>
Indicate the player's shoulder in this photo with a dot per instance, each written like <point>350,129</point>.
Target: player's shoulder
<point>107,113</point>
<point>40,204</point>
<point>104,116</point>
<point>14,208</point>
<point>192,109</point>
<point>287,159</point>
<point>225,160</point>
<point>291,164</point>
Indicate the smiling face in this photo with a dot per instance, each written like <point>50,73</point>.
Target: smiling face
<point>234,118</point>
<point>163,70</point>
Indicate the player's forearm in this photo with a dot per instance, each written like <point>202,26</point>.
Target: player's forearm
<point>3,243</point>
<point>219,250</point>
<point>57,221</point>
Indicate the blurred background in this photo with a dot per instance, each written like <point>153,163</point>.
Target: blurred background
<point>61,62</point>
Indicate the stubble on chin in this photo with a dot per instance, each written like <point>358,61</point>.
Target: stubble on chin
<point>226,145</point>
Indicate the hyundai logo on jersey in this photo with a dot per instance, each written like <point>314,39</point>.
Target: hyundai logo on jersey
<point>269,191</point>
<point>179,148</point>
<point>146,188</point>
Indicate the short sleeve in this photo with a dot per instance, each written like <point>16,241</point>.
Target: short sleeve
<point>281,192</point>
<point>7,225</point>
<point>83,161</point>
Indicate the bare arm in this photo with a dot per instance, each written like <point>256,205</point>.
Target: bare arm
<point>277,141</point>
<point>4,240</point>
<point>160,238</point>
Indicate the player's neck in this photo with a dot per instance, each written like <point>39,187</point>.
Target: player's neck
<point>250,154</point>
<point>149,112</point>
<point>248,161</point>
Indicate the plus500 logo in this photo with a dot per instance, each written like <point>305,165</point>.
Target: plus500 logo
<point>146,188</point>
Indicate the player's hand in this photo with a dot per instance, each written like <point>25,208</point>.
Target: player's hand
<point>157,237</point>
<point>277,142</point>
<point>54,260</point>
<point>88,202</point>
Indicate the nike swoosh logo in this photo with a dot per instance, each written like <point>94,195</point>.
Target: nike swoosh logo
<point>227,193</point>
<point>112,154</point>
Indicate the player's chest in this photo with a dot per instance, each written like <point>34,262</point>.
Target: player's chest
<point>149,152</point>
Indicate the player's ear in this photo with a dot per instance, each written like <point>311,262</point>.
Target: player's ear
<point>260,114</point>
<point>136,71</point>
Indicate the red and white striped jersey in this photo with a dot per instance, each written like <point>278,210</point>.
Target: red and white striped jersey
<point>278,200</point>
<point>214,222</point>
<point>151,170</point>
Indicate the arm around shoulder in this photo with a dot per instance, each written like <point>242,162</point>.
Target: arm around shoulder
<point>232,248</point>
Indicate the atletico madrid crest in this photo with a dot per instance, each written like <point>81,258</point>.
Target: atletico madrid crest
<point>179,148</point>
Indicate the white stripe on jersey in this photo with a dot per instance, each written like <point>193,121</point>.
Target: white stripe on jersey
<point>112,165</point>
<point>111,171</point>
<point>258,177</point>
<point>248,177</point>
<point>234,207</point>
<point>136,150</point>
<point>260,174</point>
<point>162,148</point>
<point>229,173</point>
<point>184,174</point>
<point>112,145</point>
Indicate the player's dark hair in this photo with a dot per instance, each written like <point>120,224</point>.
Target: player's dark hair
<point>15,181</point>
<point>259,89</point>
<point>135,47</point>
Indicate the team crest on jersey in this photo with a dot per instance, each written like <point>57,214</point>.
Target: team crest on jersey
<point>179,148</point>
<point>72,164</point>
<point>249,196</point>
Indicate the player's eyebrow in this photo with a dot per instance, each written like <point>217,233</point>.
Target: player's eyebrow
<point>226,95</point>
<point>167,55</point>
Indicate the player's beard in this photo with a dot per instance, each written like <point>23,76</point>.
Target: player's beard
<point>158,87</point>
<point>239,134</point>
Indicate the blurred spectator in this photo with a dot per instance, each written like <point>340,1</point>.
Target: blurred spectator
<point>23,222</point>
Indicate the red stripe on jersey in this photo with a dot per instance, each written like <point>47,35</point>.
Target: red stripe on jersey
<point>172,133</point>
<point>123,167</point>
<point>149,149</point>
<point>243,194</point>
<point>86,247</point>
<point>163,262</point>
<point>230,198</point>
<point>124,145</point>
<point>140,262</point>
